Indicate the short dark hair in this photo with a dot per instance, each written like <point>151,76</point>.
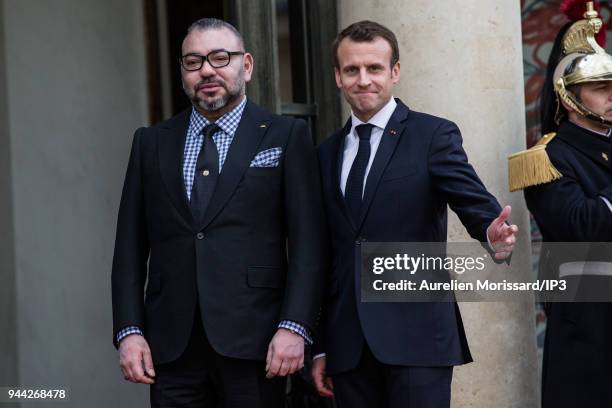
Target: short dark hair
<point>366,31</point>
<point>215,24</point>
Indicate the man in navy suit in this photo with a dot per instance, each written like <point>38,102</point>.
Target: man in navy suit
<point>389,175</point>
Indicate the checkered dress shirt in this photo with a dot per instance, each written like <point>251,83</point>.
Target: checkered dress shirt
<point>223,137</point>
<point>228,123</point>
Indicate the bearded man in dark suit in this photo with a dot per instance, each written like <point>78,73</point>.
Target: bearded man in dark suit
<point>221,216</point>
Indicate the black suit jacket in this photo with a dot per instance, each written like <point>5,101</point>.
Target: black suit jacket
<point>255,259</point>
<point>577,356</point>
<point>419,168</point>
<point>569,209</point>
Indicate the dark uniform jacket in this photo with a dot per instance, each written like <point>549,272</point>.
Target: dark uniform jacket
<point>577,352</point>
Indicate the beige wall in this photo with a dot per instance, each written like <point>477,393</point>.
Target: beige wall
<point>464,62</point>
<point>76,90</point>
<point>8,339</point>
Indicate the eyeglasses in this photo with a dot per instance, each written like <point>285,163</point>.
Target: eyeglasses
<point>216,59</point>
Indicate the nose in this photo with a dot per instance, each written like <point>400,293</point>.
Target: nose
<point>364,78</point>
<point>207,69</point>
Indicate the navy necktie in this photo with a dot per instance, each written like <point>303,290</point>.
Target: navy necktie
<point>353,191</point>
<point>206,174</point>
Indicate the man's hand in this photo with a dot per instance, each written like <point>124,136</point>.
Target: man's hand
<point>323,383</point>
<point>285,354</point>
<point>501,235</point>
<point>135,359</point>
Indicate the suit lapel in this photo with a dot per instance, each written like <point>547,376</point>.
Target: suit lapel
<point>253,126</point>
<point>337,172</point>
<point>171,142</point>
<point>386,148</point>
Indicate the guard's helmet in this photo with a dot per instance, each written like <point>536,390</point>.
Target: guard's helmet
<point>584,61</point>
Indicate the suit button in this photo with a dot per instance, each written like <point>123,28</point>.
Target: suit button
<point>200,235</point>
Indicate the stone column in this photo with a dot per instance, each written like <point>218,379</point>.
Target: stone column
<point>463,61</point>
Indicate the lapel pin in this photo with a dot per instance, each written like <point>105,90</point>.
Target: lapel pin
<point>393,132</point>
<point>263,126</point>
<point>605,156</point>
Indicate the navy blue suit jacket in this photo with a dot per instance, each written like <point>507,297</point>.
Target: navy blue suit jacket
<point>420,168</point>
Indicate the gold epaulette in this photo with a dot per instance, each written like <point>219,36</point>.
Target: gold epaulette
<point>532,166</point>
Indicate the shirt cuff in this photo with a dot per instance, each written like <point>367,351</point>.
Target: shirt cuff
<point>297,329</point>
<point>123,333</point>
<point>608,203</point>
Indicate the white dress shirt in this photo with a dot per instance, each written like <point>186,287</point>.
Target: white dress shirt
<point>608,203</point>
<point>351,142</point>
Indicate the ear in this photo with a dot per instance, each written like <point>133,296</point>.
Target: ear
<point>338,77</point>
<point>247,64</point>
<point>566,106</point>
<point>395,72</point>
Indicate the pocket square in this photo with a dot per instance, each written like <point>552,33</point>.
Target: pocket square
<point>267,158</point>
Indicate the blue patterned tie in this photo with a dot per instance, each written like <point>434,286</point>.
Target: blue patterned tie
<point>354,184</point>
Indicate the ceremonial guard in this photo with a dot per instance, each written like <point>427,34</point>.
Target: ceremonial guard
<point>567,181</point>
